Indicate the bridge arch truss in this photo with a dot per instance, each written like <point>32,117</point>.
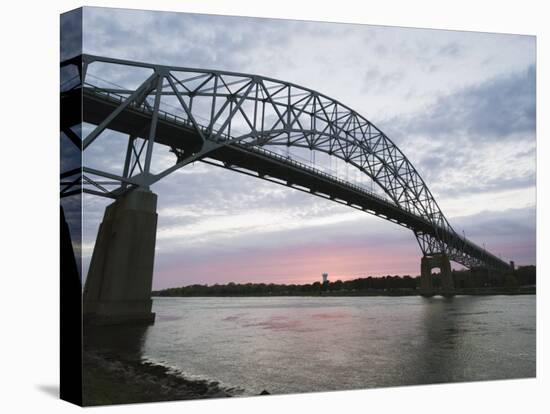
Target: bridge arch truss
<point>227,109</point>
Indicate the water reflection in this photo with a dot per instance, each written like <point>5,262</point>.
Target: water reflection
<point>439,340</point>
<point>311,344</point>
<point>122,340</point>
<point>289,345</point>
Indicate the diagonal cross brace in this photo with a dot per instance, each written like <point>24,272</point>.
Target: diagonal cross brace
<point>101,127</point>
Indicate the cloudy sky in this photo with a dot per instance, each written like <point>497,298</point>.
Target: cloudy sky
<point>460,105</point>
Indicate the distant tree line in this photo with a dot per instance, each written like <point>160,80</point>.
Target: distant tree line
<point>316,288</point>
<point>479,278</point>
<point>387,285</point>
<point>526,275</point>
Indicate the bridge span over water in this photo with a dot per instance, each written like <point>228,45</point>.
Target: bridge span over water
<point>239,122</point>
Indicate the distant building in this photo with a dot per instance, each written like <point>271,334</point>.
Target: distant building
<point>325,278</point>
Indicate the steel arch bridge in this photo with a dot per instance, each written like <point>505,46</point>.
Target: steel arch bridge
<point>231,120</point>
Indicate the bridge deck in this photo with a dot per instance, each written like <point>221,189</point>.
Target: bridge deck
<point>176,132</point>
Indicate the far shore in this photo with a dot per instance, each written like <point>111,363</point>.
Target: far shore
<point>523,290</point>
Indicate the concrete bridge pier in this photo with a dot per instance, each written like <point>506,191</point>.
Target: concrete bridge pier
<point>118,286</point>
<point>426,283</point>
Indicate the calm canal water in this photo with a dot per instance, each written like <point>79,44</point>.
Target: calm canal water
<point>301,344</point>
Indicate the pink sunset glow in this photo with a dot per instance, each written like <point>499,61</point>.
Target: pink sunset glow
<point>299,265</point>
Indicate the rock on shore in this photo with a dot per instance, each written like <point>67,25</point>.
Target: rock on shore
<point>110,379</point>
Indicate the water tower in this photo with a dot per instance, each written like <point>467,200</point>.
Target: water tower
<point>325,278</point>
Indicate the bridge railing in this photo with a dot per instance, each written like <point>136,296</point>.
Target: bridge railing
<point>317,171</point>
<point>117,98</point>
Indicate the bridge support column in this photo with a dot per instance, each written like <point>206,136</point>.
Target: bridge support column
<point>118,286</point>
<point>426,283</point>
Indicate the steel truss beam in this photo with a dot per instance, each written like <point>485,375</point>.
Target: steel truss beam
<point>227,108</point>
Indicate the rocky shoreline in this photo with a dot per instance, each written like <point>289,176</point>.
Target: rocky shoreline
<point>110,378</point>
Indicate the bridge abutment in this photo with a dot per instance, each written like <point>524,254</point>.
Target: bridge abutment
<point>426,281</point>
<point>118,286</point>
